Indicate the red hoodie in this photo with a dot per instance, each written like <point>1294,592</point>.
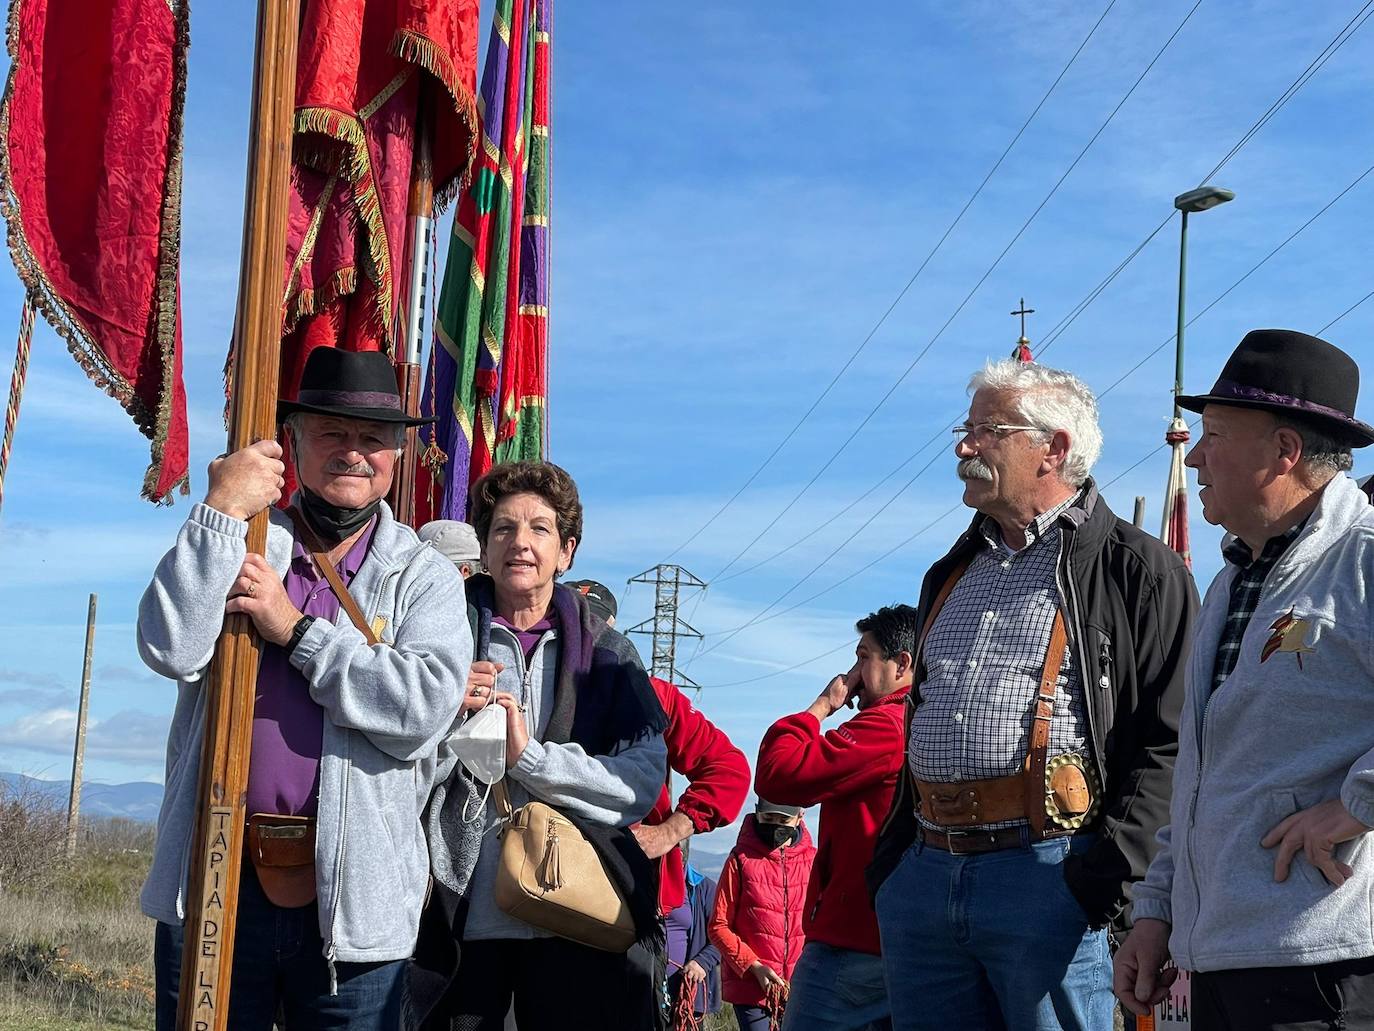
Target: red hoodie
<point>851,772</point>
<point>717,782</point>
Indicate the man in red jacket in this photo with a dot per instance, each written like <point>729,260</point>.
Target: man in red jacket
<point>717,773</point>
<point>851,772</point>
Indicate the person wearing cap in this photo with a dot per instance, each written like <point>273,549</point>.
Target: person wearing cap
<point>346,719</point>
<point>1042,728</point>
<point>456,541</point>
<point>717,772</point>
<point>850,773</point>
<point>757,922</point>
<point>1263,882</point>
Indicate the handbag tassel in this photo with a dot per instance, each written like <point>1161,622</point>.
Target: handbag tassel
<point>552,875</point>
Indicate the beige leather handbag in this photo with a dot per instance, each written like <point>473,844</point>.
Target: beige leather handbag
<point>550,876</point>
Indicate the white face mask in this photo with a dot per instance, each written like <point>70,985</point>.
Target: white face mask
<point>481,746</point>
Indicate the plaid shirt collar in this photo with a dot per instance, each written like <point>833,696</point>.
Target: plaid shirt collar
<point>1039,527</point>
<point>1238,553</point>
<point>1245,595</point>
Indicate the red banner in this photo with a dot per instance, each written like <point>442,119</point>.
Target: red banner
<point>360,69</point>
<point>90,170</point>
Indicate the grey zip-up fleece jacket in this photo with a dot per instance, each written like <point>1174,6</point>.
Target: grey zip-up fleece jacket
<point>615,790</point>
<point>386,709</point>
<point>1282,734</point>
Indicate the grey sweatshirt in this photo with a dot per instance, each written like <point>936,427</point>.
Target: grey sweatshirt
<point>1276,738</point>
<point>386,709</point>
<point>614,790</point>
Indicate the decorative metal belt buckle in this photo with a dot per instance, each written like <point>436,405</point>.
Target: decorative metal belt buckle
<point>1072,792</point>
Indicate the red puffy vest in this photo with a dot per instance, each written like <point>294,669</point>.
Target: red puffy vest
<point>768,907</point>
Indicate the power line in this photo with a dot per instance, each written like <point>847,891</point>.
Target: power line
<point>1346,312</point>
<point>762,615</point>
<point>909,283</point>
<point>759,617</point>
<point>788,669</point>
<point>1253,268</point>
<point>1327,52</point>
<point>935,438</point>
<point>1362,15</point>
<point>1331,48</point>
<point>968,297</point>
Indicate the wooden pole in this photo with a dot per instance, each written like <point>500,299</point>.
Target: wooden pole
<point>217,845</point>
<point>79,754</point>
<point>411,316</point>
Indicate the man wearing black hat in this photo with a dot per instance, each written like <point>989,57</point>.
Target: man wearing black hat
<point>1262,886</point>
<point>365,643</point>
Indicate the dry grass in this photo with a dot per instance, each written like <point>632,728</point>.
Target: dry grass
<point>74,950</point>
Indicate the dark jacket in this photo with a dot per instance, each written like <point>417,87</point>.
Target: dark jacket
<point>1129,603</point>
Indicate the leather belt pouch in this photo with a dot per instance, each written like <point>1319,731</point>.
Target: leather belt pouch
<point>282,849</point>
<point>972,803</point>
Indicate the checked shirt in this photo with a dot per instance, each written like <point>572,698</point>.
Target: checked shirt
<point>984,657</point>
<point>1245,595</point>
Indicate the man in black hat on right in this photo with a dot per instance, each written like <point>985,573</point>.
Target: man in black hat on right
<point>1263,883</point>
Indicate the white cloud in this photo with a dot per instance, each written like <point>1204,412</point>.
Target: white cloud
<point>128,736</point>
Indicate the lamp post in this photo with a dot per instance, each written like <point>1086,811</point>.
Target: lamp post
<point>1201,199</point>
<point>1174,531</point>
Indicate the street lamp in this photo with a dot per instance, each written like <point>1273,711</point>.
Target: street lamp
<point>1201,199</point>
<point>1174,530</point>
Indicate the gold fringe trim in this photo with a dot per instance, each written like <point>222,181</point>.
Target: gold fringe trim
<point>425,54</point>
<point>314,300</point>
<point>45,299</point>
<point>355,166</point>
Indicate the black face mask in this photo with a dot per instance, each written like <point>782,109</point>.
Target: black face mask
<point>775,835</point>
<point>332,523</point>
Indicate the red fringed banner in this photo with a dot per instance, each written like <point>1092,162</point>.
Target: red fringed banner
<point>90,184</point>
<point>358,78</point>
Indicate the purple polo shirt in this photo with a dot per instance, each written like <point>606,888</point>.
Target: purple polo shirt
<point>288,725</point>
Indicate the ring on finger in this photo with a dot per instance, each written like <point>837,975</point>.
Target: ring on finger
<point>252,589</point>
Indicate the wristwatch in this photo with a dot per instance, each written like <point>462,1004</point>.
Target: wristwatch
<point>297,632</point>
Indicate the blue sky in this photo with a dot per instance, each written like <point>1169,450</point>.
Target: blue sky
<point>740,192</point>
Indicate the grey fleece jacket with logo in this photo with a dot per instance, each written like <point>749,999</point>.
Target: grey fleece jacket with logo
<point>1283,733</point>
<point>386,709</point>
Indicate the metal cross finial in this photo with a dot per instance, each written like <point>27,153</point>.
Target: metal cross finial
<point>1023,311</point>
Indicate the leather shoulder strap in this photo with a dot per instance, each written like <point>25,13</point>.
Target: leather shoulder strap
<point>1041,715</point>
<point>502,796</point>
<point>919,673</point>
<point>336,584</point>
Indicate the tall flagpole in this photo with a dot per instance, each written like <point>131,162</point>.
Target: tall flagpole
<point>411,316</point>
<point>217,844</point>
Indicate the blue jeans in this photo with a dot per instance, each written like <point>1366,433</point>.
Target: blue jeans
<point>279,964</point>
<point>992,942</point>
<point>837,990</point>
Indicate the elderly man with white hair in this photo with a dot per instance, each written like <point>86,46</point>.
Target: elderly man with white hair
<point>1041,731</point>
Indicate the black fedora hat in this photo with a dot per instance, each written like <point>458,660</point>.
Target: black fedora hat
<point>350,384</point>
<point>1282,370</point>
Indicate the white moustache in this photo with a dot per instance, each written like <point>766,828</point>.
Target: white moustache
<point>363,468</point>
<point>974,469</point>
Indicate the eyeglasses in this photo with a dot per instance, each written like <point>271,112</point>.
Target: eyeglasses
<point>984,432</point>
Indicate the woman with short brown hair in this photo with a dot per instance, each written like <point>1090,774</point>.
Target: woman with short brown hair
<point>583,733</point>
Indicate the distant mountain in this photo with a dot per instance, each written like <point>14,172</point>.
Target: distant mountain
<point>708,861</point>
<point>138,800</point>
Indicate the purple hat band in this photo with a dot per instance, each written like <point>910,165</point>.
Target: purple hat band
<point>350,399</point>
<point>1226,389</point>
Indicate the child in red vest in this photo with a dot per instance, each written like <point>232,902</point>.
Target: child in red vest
<point>757,923</point>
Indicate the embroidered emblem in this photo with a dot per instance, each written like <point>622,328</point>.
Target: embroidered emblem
<point>1288,636</point>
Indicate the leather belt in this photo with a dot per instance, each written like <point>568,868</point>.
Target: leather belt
<point>973,803</point>
<point>975,841</point>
